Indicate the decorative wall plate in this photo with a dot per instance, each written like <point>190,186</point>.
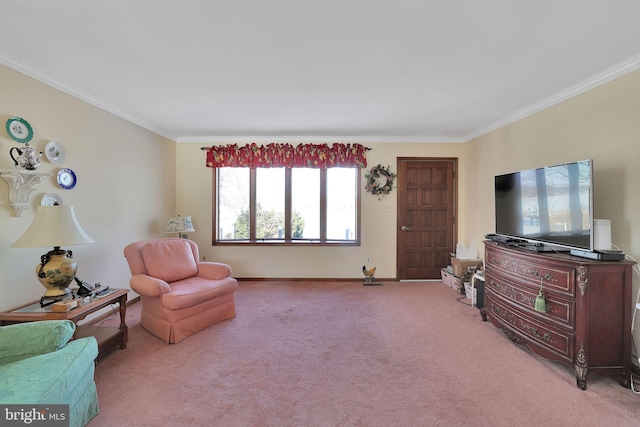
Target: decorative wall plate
<point>66,178</point>
<point>19,129</point>
<point>54,152</point>
<point>50,199</point>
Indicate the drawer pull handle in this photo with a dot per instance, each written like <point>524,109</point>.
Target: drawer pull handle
<point>534,331</point>
<point>548,277</point>
<point>541,304</point>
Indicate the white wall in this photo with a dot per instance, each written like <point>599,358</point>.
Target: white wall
<point>379,218</point>
<point>125,189</point>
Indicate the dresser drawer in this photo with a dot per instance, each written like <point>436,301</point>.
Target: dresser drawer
<point>558,311</point>
<point>556,341</point>
<point>554,278</point>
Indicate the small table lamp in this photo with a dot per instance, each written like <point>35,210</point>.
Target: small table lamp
<point>54,226</point>
<point>180,224</point>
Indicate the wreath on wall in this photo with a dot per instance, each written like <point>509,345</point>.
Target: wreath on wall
<point>379,180</point>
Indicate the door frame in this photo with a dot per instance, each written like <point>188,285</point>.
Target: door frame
<point>401,195</point>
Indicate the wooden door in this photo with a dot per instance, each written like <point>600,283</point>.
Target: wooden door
<point>427,198</point>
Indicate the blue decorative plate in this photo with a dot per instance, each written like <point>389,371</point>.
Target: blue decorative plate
<point>66,178</point>
<point>19,129</point>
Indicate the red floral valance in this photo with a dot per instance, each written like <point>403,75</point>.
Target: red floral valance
<point>286,155</point>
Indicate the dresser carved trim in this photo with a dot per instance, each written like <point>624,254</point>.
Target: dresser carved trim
<point>586,324</point>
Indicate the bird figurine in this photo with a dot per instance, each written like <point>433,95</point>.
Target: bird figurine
<point>369,275</point>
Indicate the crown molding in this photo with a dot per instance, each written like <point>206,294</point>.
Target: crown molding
<point>316,139</point>
<point>22,67</point>
<point>625,67</point>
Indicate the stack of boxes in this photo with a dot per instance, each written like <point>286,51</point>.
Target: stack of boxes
<point>459,273</point>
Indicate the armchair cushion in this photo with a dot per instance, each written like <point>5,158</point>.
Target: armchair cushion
<point>195,290</point>
<point>26,340</point>
<point>169,260</point>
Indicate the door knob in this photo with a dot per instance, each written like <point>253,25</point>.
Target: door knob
<point>405,228</point>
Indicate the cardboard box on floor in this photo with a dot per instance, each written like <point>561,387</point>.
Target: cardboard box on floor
<point>461,266</point>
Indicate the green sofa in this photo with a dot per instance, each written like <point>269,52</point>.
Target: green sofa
<point>40,365</point>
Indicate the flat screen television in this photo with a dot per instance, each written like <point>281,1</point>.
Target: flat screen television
<point>550,208</point>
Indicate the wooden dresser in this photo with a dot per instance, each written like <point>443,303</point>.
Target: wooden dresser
<point>587,320</point>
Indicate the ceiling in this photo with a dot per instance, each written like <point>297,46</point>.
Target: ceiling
<point>325,70</point>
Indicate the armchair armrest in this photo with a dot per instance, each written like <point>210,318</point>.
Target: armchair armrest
<point>213,270</point>
<point>25,340</point>
<point>149,286</point>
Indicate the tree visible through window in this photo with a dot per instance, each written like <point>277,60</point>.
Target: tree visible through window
<point>287,205</point>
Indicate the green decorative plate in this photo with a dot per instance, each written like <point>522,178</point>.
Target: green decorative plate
<point>19,130</point>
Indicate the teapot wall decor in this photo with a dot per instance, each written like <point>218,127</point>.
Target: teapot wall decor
<point>27,158</point>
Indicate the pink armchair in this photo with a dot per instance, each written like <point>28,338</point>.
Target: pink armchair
<point>180,295</point>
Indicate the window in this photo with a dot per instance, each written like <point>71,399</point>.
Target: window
<point>287,205</point>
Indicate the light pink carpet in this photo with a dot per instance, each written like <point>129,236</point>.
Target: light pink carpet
<point>341,354</point>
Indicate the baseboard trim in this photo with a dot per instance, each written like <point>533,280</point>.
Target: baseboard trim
<point>309,279</point>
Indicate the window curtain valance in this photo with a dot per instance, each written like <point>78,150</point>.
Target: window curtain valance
<point>286,155</point>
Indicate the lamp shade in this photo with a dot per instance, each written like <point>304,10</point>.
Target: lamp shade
<point>53,226</point>
<point>179,224</point>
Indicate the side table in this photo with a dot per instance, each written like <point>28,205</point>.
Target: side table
<point>107,336</point>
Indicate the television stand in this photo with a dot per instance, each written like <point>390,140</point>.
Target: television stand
<point>586,320</point>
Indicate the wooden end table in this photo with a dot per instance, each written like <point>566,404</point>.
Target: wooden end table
<point>107,336</point>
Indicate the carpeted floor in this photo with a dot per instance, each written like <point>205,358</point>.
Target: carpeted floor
<point>342,354</point>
